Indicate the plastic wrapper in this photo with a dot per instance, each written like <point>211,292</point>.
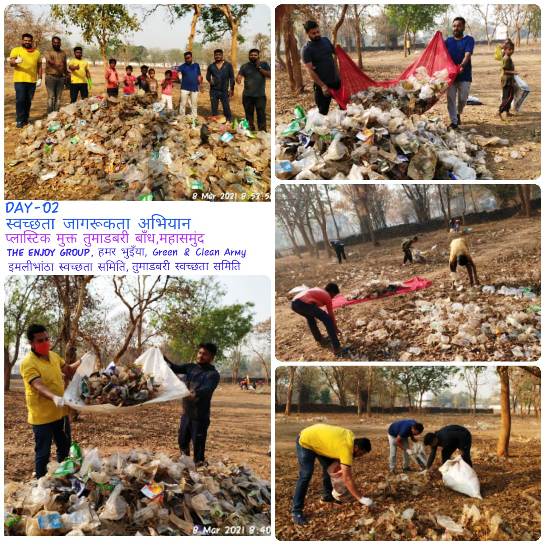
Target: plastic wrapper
<point>152,362</point>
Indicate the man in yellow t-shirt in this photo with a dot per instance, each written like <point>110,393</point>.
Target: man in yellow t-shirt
<point>44,373</point>
<point>328,444</point>
<point>27,75</point>
<point>80,76</point>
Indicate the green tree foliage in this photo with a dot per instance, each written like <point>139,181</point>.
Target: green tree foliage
<point>418,381</point>
<point>103,24</point>
<point>325,396</point>
<point>199,316</point>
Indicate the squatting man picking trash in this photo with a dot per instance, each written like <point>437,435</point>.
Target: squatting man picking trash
<point>44,376</point>
<point>308,303</point>
<point>328,444</point>
<point>201,379</point>
<point>399,433</point>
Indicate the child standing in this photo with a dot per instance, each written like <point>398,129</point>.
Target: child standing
<point>153,83</point>
<point>507,79</point>
<point>129,82</point>
<point>112,79</point>
<point>142,81</point>
<point>166,89</point>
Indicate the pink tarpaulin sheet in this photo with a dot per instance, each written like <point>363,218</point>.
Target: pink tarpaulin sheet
<point>435,57</point>
<point>414,284</point>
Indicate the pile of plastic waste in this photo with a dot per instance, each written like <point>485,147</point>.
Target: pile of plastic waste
<point>379,137</point>
<point>417,94</point>
<point>511,333</point>
<point>410,524</point>
<point>136,493</point>
<point>118,385</point>
<point>374,288</point>
<point>132,148</point>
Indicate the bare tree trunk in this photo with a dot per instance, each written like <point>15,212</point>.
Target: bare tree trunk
<point>194,21</point>
<point>292,52</point>
<point>525,194</point>
<point>278,55</point>
<point>358,394</point>
<point>369,389</point>
<point>357,29</point>
<point>339,24</point>
<point>505,429</point>
<point>7,370</point>
<point>289,397</point>
<point>331,211</point>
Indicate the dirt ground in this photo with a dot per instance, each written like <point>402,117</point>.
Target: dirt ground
<point>239,431</point>
<point>522,130</point>
<point>510,487</point>
<point>505,252</point>
<point>17,187</point>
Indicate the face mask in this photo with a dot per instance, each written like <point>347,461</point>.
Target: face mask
<point>42,348</point>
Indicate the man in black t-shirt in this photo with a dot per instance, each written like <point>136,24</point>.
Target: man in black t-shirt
<point>449,438</point>
<point>319,60</point>
<point>254,72</point>
<point>201,379</point>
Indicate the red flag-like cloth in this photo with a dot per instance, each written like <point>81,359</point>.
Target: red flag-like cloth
<point>435,58</point>
<point>414,284</point>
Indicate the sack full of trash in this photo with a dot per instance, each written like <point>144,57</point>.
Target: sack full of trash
<point>461,477</point>
<point>149,375</point>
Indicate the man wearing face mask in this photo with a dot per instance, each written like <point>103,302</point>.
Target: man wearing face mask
<point>320,61</point>
<point>44,374</point>
<point>55,74</point>
<point>27,76</point>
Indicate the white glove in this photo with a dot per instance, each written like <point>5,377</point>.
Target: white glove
<point>59,401</point>
<point>409,452</point>
<point>18,60</point>
<point>38,82</point>
<point>336,495</point>
<point>366,501</point>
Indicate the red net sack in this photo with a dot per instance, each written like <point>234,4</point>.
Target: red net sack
<point>435,58</point>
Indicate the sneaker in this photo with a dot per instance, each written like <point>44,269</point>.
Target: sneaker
<point>329,499</point>
<point>453,126</point>
<point>341,352</point>
<point>299,518</point>
<point>20,125</point>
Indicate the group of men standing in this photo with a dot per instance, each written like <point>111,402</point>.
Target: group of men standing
<point>335,445</point>
<point>61,71</point>
<point>319,58</point>
<point>45,376</point>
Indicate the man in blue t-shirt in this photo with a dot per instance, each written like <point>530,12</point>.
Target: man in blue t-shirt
<point>460,49</point>
<point>320,61</point>
<point>190,73</point>
<point>398,437</point>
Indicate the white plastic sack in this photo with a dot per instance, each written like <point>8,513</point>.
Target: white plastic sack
<point>298,289</point>
<point>336,479</point>
<point>461,477</point>
<point>152,361</point>
<point>522,90</point>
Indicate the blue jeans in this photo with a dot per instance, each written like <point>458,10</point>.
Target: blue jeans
<point>217,96</point>
<point>305,459</point>
<point>24,93</point>
<point>311,313</point>
<point>44,435</point>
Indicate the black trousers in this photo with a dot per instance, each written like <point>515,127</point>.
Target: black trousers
<point>193,431</point>
<point>340,253</point>
<point>78,89</point>
<point>257,104</point>
<point>44,435</point>
<point>113,92</point>
<point>322,101</point>
<point>507,96</point>
<point>313,313</point>
<point>464,447</point>
<point>407,256</point>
